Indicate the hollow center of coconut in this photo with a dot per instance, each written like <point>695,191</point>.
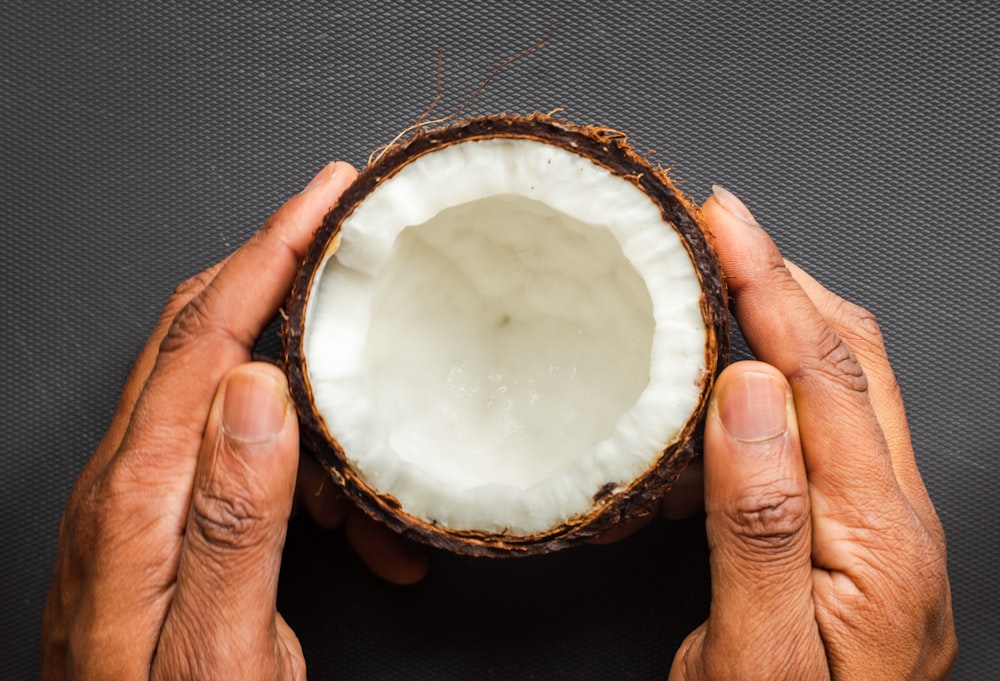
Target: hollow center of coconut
<point>505,332</point>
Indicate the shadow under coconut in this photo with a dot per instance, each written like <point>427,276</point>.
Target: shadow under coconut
<point>617,611</point>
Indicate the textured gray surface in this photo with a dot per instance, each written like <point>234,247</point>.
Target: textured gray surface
<point>137,146</point>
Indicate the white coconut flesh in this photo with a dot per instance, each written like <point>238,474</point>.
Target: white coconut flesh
<point>504,328</point>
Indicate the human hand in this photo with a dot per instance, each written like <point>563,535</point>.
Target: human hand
<point>827,557</point>
<point>170,546</point>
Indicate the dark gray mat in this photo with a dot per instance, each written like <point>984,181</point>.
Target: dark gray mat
<point>139,145</point>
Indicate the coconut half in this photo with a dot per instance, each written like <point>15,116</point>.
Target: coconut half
<point>503,338</point>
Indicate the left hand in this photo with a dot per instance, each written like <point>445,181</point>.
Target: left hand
<point>170,546</point>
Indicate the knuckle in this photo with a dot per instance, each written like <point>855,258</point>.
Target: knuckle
<point>226,523</point>
<point>901,583</point>
<point>834,361</point>
<point>179,658</point>
<point>191,287</point>
<point>772,265</point>
<point>770,521</point>
<point>86,658</point>
<point>931,586</point>
<point>198,318</point>
<point>860,317</point>
<point>688,660</point>
<point>860,325</point>
<point>111,498</point>
<point>191,322</point>
<point>194,650</point>
<point>120,492</point>
<point>187,291</point>
<point>946,655</point>
<point>118,513</point>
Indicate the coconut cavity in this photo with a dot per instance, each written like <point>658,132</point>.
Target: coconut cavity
<point>506,332</point>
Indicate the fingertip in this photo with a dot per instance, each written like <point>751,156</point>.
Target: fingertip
<point>297,220</point>
<point>750,401</point>
<point>746,251</point>
<point>319,495</point>
<point>388,555</point>
<point>627,529</point>
<point>345,169</point>
<point>334,176</point>
<point>732,205</point>
<point>255,403</point>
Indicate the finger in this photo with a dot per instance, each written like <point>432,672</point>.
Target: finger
<point>319,496</point>
<point>121,559</point>
<point>762,624</point>
<point>862,334</point>
<point>227,575</point>
<point>626,529</point>
<point>215,332</point>
<point>87,485</point>
<point>291,642</point>
<point>784,329</point>
<point>139,373</point>
<point>858,328</point>
<point>687,497</point>
<point>261,271</point>
<point>143,366</point>
<point>385,553</point>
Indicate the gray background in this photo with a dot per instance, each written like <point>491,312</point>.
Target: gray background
<point>138,146</point>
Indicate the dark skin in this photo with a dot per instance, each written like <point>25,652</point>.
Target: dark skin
<point>827,557</point>
<point>828,560</point>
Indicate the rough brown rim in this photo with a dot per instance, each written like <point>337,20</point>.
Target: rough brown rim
<point>609,149</point>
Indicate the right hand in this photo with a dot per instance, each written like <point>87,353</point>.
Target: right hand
<point>827,557</point>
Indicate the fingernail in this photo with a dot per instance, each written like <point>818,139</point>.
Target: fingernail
<point>733,205</point>
<point>752,407</point>
<point>327,173</point>
<point>254,407</point>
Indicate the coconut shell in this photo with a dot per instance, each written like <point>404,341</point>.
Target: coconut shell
<point>617,501</point>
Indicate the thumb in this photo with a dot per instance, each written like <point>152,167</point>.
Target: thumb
<point>223,621</point>
<point>761,624</point>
